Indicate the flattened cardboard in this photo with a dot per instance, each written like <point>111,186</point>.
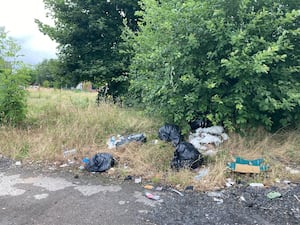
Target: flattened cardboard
<point>242,168</point>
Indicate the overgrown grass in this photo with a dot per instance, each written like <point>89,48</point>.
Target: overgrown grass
<point>59,120</point>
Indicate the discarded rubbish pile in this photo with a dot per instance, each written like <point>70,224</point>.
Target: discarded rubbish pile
<point>185,155</point>
<point>247,166</point>
<point>102,162</point>
<point>170,133</point>
<point>200,123</point>
<point>113,143</point>
<point>207,138</point>
<point>202,142</point>
<point>99,162</point>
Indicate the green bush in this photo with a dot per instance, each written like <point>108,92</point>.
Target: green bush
<point>233,62</point>
<point>46,84</point>
<point>13,80</point>
<point>12,98</point>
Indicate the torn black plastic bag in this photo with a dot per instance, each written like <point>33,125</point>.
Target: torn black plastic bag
<point>130,138</point>
<point>170,133</point>
<point>186,156</point>
<point>100,162</point>
<point>199,123</point>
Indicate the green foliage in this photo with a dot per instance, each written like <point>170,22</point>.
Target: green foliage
<point>13,79</point>
<point>49,70</point>
<point>233,62</point>
<point>88,33</point>
<point>46,83</point>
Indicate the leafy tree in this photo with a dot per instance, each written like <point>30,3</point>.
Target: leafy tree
<point>49,70</point>
<point>88,33</point>
<point>233,62</point>
<point>13,80</point>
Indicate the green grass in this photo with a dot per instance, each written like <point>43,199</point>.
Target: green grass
<point>58,120</point>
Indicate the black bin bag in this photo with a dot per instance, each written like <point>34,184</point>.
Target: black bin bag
<point>170,133</point>
<point>100,162</point>
<point>186,156</point>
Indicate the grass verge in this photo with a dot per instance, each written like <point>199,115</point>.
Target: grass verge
<point>59,120</point>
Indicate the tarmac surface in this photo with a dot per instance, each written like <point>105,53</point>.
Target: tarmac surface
<point>35,195</point>
<point>32,196</point>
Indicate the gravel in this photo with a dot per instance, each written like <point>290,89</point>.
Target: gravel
<point>235,205</point>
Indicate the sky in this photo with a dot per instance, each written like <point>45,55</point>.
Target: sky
<point>17,16</point>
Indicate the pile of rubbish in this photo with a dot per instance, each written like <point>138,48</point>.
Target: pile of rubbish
<point>185,154</point>
<point>102,162</point>
<point>99,162</point>
<point>248,166</point>
<point>114,143</point>
<point>207,139</point>
<point>202,142</point>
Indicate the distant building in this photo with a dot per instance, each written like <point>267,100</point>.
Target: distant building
<point>85,86</point>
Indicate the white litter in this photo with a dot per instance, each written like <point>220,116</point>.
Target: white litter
<point>205,140</point>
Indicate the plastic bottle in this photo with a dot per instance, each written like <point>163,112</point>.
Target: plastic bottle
<point>70,152</point>
<point>112,142</point>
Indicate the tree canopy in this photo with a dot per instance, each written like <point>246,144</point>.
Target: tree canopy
<point>233,62</point>
<point>88,33</point>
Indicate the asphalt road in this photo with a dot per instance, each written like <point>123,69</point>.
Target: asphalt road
<point>31,196</point>
<point>45,195</point>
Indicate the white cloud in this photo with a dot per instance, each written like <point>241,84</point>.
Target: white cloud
<point>17,16</point>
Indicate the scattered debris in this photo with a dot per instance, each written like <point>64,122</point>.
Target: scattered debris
<point>292,171</point>
<point>242,198</point>
<point>247,166</point>
<point>85,160</point>
<point>186,156</point>
<point>202,173</point>
<point>215,194</point>
<point>170,133</point>
<point>273,194</point>
<point>129,177</point>
<point>69,152</point>
<point>138,180</point>
<point>199,123</point>
<point>18,163</point>
<point>206,139</point>
<point>256,185</point>
<point>149,187</point>
<point>158,188</point>
<point>189,188</point>
<point>178,192</point>
<point>81,167</point>
<point>297,198</point>
<point>113,142</point>
<point>64,165</point>
<point>99,162</point>
<point>229,182</point>
<point>218,200</point>
<point>70,162</point>
<point>152,196</point>
<point>287,182</point>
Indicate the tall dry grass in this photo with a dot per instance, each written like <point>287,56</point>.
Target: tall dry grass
<point>59,120</point>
